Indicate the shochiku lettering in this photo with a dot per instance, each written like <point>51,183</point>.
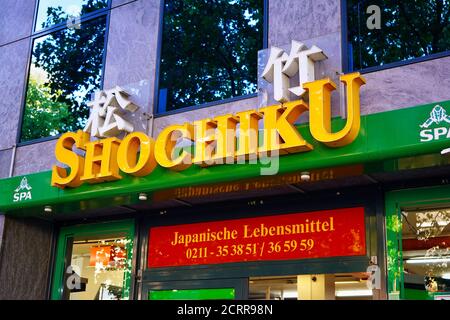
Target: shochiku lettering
<point>216,140</point>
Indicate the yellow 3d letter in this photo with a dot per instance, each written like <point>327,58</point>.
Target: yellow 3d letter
<point>320,110</point>
<point>279,130</point>
<point>166,142</point>
<point>127,154</point>
<point>100,163</point>
<point>62,177</point>
<point>248,133</point>
<point>205,140</point>
<point>225,138</point>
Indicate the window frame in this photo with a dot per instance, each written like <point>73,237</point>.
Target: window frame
<point>105,12</point>
<point>156,113</point>
<point>62,24</point>
<point>345,52</point>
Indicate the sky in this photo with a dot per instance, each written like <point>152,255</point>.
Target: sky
<point>71,7</point>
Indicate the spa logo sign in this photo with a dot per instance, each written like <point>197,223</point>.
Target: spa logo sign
<point>439,122</point>
<point>23,191</point>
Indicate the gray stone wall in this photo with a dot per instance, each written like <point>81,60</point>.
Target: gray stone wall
<point>26,248</point>
<point>2,225</point>
<point>13,62</point>
<point>5,162</point>
<point>403,87</point>
<point>131,51</point>
<point>35,157</point>
<point>16,20</point>
<point>302,19</point>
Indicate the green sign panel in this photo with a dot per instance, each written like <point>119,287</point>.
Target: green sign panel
<point>194,294</point>
<point>388,135</point>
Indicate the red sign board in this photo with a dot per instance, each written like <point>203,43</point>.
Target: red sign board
<point>320,234</point>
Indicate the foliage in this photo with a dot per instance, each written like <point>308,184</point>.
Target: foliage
<point>209,50</point>
<point>409,29</point>
<point>72,59</point>
<point>42,113</point>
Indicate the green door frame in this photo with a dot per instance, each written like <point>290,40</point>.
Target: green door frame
<point>122,227</point>
<point>240,286</point>
<point>395,201</point>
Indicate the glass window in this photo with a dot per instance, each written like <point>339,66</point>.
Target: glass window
<point>426,253</point>
<point>209,51</point>
<point>273,288</point>
<point>66,68</point>
<point>98,269</point>
<point>52,12</point>
<point>339,286</point>
<point>386,31</point>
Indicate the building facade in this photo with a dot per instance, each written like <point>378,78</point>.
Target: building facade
<point>306,215</point>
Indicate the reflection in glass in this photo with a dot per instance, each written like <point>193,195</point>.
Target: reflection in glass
<point>426,252</point>
<point>65,69</point>
<point>209,51</point>
<point>273,288</point>
<point>408,29</point>
<point>51,12</point>
<point>98,270</point>
<point>339,286</point>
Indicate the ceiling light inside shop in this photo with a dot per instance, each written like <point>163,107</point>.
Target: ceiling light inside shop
<point>305,176</point>
<point>348,282</point>
<point>143,196</point>
<point>353,293</point>
<point>446,276</point>
<point>430,224</point>
<point>290,294</point>
<point>422,260</point>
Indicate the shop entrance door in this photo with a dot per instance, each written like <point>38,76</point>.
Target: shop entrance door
<point>94,262</point>
<point>217,289</point>
<point>418,240</point>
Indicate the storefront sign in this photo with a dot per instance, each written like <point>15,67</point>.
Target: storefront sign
<point>23,191</point>
<point>319,234</point>
<point>396,139</point>
<point>437,126</point>
<point>225,139</point>
<point>216,140</point>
